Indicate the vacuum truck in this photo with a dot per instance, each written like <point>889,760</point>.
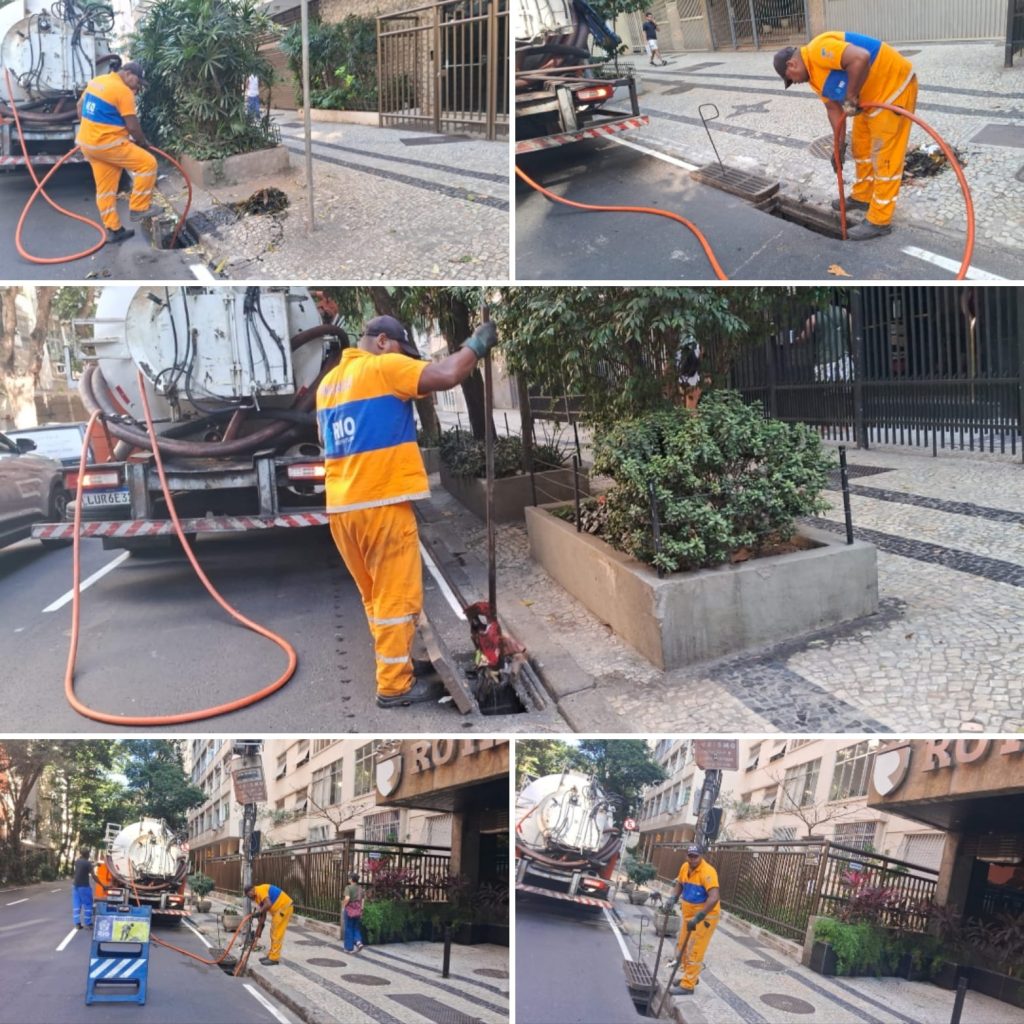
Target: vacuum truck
<point>230,375</point>
<point>51,51</point>
<point>561,90</point>
<point>567,842</point>
<point>144,864</point>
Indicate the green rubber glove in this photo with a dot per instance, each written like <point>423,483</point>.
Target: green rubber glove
<point>482,340</point>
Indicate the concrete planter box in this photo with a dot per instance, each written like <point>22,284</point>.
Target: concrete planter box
<point>431,459</point>
<point>369,117</point>
<point>233,169</point>
<point>512,494</point>
<point>695,616</point>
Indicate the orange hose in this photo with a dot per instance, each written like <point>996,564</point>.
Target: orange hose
<point>69,674</point>
<point>965,260</point>
<point>719,272</point>
<point>39,190</point>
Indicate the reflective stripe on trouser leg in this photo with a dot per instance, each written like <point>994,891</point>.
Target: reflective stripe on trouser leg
<point>889,135</point>
<point>138,161</point>
<point>380,547</point>
<point>860,145</point>
<point>278,926</point>
<point>106,177</point>
<point>693,962</point>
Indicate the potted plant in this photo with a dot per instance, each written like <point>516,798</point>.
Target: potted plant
<point>639,872</point>
<point>667,919</point>
<point>201,886</point>
<point>231,917</point>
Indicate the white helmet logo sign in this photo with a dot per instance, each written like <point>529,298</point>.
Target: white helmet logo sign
<point>890,769</point>
<point>389,774</point>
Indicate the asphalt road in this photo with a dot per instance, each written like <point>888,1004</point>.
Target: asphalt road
<point>48,233</point>
<point>569,965</point>
<point>556,242</point>
<point>154,643</point>
<point>46,961</point>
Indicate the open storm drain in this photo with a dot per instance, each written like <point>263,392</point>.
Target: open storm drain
<point>161,233</point>
<point>641,984</point>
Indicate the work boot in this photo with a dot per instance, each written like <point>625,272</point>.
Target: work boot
<point>421,691</point>
<point>851,204</point>
<point>120,235</point>
<point>267,962</point>
<point>862,232</point>
<point>137,215</point>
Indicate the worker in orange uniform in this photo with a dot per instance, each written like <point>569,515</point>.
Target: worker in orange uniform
<point>269,899</point>
<point>847,69</point>
<point>374,471</point>
<point>697,883</point>
<point>108,124</point>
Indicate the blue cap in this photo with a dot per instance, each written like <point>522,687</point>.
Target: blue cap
<point>395,330</point>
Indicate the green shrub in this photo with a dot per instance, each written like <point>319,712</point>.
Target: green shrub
<point>724,479</point>
<point>860,948</point>
<point>465,456</point>
<point>200,884</point>
<point>641,871</point>
<point>342,63</point>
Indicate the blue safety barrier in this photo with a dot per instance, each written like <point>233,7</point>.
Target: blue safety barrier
<point>119,955</point>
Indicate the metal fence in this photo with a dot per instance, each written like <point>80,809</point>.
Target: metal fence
<point>916,366</point>
<point>314,875</point>
<point>1014,30</point>
<point>781,885</point>
<point>917,20</point>
<point>444,67</point>
<point>768,23</point>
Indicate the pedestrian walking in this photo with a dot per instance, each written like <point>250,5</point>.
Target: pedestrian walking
<point>352,912</point>
<point>81,891</point>
<point>374,472</point>
<point>847,69</point>
<point>252,96</point>
<point>270,899</point>
<point>108,125</point>
<point>650,27</point>
<point>697,884</point>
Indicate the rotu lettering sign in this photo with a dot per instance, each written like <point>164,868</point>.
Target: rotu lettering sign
<point>430,754</point>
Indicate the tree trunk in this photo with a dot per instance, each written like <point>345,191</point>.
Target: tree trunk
<point>454,321</point>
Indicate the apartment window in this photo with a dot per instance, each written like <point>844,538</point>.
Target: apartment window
<point>797,744</point>
<point>318,833</point>
<point>327,784</point>
<point>852,771</point>
<point>319,745</point>
<point>860,834</point>
<point>301,804</point>
<point>784,833</point>
<point>302,753</point>
<point>381,827</point>
<point>800,783</point>
<point>924,850</point>
<point>778,750</point>
<point>282,766</point>
<point>755,756</point>
<point>768,798</point>
<point>439,830</point>
<point>364,768</point>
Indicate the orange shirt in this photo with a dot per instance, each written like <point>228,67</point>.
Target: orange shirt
<point>696,886</point>
<point>365,415</point>
<point>888,76</point>
<point>107,101</point>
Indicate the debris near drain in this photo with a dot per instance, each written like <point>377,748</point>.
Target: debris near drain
<point>927,161</point>
<point>264,200</point>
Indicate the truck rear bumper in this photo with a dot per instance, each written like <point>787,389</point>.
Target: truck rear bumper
<point>591,131</point>
<point>587,901</point>
<point>130,528</point>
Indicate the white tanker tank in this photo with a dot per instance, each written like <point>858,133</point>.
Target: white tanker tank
<point>145,863</point>
<point>230,375</point>
<point>51,51</point>
<point>567,842</point>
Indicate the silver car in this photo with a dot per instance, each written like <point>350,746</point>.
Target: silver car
<point>31,490</point>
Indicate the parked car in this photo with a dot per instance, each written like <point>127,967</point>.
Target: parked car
<point>63,441</point>
<point>31,490</point>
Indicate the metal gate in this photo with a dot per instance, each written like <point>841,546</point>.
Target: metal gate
<point>444,67</point>
<point>1014,30</point>
<point>938,367</point>
<point>915,21</point>
<point>769,23</point>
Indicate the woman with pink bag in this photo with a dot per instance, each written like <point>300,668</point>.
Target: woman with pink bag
<point>352,912</point>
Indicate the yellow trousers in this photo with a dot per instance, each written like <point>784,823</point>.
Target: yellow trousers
<point>879,144</point>
<point>381,549</point>
<point>279,918</point>
<point>107,163</point>
<point>693,961</point>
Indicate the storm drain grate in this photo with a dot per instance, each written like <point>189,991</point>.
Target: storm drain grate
<point>365,979</point>
<point>765,965</point>
<point>491,972</point>
<point>787,1004</point>
<point>433,140</point>
<point>323,961</point>
<point>639,979</point>
<point>744,184</point>
<point>433,1010</point>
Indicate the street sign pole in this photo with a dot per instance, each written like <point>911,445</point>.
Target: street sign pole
<point>311,226</point>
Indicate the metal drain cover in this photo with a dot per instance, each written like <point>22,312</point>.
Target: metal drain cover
<point>788,1004</point>
<point>765,965</point>
<point>366,979</point>
<point>491,972</point>
<point>744,184</point>
<point>638,976</point>
<point>822,148</point>
<point>323,961</point>
<point>433,1010</point>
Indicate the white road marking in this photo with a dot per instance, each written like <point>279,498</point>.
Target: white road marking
<point>673,160</point>
<point>202,938</point>
<point>260,998</point>
<point>71,934</point>
<point>973,274</point>
<point>56,890</point>
<point>202,273</point>
<point>441,582</point>
<point>99,574</point>
<point>16,902</point>
<point>615,930</point>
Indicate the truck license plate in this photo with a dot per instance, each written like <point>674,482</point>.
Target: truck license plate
<point>95,499</point>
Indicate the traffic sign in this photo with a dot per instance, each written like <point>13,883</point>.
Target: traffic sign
<point>629,825</point>
<point>723,755</point>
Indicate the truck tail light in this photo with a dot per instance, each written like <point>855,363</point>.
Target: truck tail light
<point>71,480</point>
<point>595,94</point>
<point>307,472</point>
<point>101,479</point>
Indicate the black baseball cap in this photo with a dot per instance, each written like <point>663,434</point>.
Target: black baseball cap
<point>781,57</point>
<point>135,68</point>
<point>692,849</point>
<point>395,330</point>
